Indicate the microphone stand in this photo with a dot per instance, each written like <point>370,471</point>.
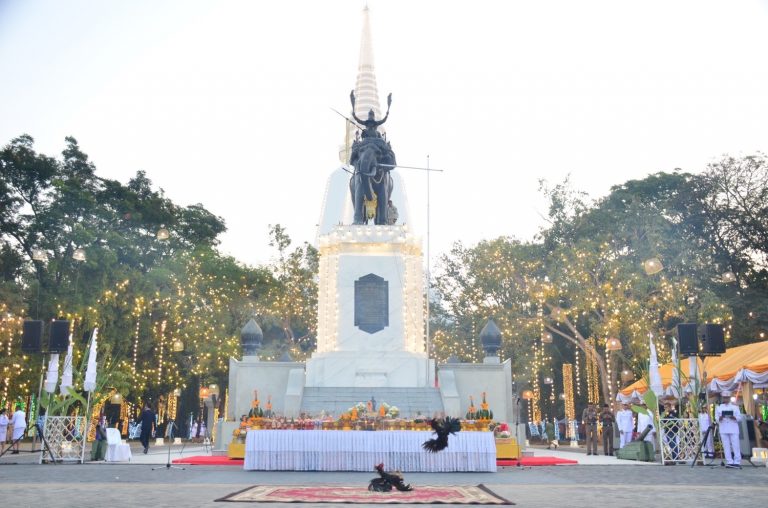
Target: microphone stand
<point>168,464</point>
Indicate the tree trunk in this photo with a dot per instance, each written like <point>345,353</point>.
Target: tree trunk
<point>588,350</point>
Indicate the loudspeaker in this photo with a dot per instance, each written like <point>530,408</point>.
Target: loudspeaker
<point>712,339</point>
<point>59,337</point>
<point>687,339</point>
<point>32,336</point>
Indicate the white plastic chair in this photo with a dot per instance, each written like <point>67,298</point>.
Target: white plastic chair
<point>117,451</point>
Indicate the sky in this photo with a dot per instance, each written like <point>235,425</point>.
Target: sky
<point>228,103</point>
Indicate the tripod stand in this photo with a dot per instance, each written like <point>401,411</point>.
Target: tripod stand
<point>168,464</point>
<point>709,433</point>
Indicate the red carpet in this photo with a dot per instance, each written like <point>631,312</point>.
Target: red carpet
<point>341,494</point>
<point>535,461</point>
<point>209,460</point>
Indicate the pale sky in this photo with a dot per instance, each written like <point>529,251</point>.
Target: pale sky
<point>227,103</point>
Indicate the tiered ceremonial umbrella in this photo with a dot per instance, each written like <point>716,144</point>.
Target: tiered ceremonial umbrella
<point>89,384</point>
<point>653,370</point>
<point>52,378</point>
<point>90,372</point>
<point>676,386</point>
<point>693,371</point>
<point>66,376</point>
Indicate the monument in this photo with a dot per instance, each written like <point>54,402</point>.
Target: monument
<point>371,342</point>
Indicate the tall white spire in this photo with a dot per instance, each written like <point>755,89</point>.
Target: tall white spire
<point>366,90</point>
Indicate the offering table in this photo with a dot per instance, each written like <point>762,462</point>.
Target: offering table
<point>359,450</point>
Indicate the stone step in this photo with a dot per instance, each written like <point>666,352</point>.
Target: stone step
<point>410,401</point>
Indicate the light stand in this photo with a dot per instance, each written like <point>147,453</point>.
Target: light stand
<point>517,429</point>
<point>168,464</point>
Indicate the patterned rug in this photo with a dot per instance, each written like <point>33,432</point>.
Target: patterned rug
<point>337,494</point>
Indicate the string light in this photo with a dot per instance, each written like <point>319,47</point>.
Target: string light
<point>570,405</point>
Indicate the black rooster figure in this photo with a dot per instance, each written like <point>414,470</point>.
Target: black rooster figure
<point>387,481</point>
<point>442,428</point>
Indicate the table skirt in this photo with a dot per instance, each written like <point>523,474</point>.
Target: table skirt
<point>357,450</point>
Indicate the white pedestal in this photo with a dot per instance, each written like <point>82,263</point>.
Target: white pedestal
<point>374,369</point>
<point>349,354</point>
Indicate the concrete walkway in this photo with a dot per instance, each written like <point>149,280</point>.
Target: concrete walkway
<point>156,455</point>
<point>580,455</point>
<point>24,483</point>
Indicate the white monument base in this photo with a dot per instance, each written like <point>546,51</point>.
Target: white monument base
<point>372,369</point>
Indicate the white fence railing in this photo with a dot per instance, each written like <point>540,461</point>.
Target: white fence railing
<point>679,439</point>
<point>65,437</point>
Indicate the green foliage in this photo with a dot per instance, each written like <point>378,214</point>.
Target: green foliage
<point>142,293</point>
<point>582,279</point>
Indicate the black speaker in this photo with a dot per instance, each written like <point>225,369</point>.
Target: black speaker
<point>32,336</point>
<point>59,337</point>
<point>688,339</point>
<point>712,339</point>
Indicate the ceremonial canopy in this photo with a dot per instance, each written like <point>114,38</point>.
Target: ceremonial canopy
<point>739,365</point>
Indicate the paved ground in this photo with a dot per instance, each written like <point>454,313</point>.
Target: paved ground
<point>25,483</point>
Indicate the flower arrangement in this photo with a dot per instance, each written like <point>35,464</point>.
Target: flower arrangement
<point>268,413</point>
<point>484,413</point>
<point>472,411</point>
<point>256,411</point>
<point>502,431</point>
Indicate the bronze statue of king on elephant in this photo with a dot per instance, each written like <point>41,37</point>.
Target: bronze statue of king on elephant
<point>373,159</point>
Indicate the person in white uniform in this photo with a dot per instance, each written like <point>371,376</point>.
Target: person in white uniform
<point>19,424</point>
<point>705,421</point>
<point>626,424</point>
<point>727,415</point>
<point>643,421</point>
<point>3,427</point>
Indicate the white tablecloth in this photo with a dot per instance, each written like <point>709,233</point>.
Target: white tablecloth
<point>359,450</point>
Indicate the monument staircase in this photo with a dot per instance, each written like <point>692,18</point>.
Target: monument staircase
<point>335,400</point>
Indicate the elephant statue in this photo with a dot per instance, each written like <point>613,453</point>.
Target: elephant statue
<point>371,184</point>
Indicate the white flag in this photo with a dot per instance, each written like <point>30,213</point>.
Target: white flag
<point>53,374</point>
<point>90,373</point>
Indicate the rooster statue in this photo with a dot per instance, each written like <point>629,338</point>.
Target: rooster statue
<point>388,480</point>
<point>442,427</point>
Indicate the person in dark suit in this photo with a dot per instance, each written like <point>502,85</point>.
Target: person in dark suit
<point>147,420</point>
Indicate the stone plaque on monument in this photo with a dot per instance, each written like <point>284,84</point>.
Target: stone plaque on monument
<point>371,303</point>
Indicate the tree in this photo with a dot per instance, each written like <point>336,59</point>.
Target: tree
<point>291,300</point>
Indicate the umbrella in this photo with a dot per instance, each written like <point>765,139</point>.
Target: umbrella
<point>653,370</point>
<point>66,377</point>
<point>53,373</point>
<point>90,373</point>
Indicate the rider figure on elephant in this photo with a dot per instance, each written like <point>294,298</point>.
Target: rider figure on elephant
<point>371,124</point>
<point>373,159</point>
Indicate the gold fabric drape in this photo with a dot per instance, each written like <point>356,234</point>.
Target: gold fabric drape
<point>746,396</point>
